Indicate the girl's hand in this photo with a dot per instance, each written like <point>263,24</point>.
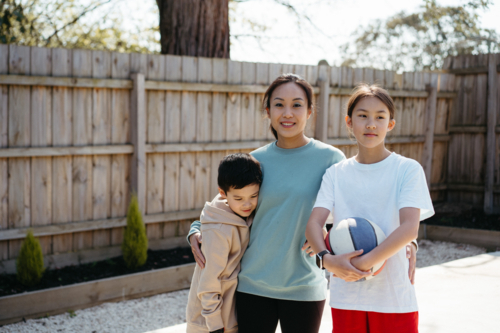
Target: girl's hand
<point>341,267</point>
<point>411,254</point>
<point>195,240</point>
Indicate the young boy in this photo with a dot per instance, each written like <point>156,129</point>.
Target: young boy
<point>225,224</point>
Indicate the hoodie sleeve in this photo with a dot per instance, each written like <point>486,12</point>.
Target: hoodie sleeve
<point>216,249</point>
<point>195,227</point>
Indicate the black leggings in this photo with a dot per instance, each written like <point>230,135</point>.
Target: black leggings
<point>258,314</point>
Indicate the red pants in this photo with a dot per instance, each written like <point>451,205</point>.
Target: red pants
<point>351,321</point>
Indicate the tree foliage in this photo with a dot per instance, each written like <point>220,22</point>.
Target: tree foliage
<point>66,23</point>
<point>135,241</point>
<point>422,40</point>
<point>30,261</point>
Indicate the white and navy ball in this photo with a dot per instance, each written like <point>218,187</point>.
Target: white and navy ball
<point>355,233</point>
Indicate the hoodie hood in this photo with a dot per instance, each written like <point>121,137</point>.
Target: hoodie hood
<point>218,211</point>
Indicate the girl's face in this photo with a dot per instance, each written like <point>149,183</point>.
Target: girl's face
<point>288,111</point>
<point>370,122</point>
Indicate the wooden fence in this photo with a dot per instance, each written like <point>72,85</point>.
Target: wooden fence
<point>79,129</point>
<point>473,168</point>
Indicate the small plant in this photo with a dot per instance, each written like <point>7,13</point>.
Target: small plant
<point>135,241</point>
<point>30,261</point>
<point>71,313</point>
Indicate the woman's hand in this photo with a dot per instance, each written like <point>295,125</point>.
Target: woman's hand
<point>195,240</point>
<point>341,267</point>
<point>307,247</point>
<point>411,254</point>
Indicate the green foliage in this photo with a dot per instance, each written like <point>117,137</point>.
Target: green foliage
<point>422,40</point>
<point>30,261</point>
<point>72,313</point>
<point>135,241</point>
<point>70,24</point>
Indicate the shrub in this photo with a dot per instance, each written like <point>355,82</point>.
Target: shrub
<point>30,261</point>
<point>135,241</point>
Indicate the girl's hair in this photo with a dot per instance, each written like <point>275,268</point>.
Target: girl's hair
<point>282,79</point>
<point>364,90</point>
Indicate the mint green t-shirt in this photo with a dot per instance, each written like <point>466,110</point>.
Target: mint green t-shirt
<point>274,264</point>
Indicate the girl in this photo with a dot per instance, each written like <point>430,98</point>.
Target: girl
<point>278,281</point>
<point>389,190</point>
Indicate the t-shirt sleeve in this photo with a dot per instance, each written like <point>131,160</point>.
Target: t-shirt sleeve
<point>326,195</point>
<point>414,191</point>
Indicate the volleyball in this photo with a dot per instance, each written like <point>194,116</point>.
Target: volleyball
<point>356,233</point>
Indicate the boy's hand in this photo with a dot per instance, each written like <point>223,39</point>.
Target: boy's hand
<point>195,240</point>
<point>411,254</point>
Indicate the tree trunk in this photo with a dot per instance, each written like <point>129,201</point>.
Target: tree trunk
<point>197,28</point>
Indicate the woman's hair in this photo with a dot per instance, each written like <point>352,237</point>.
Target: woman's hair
<point>282,79</point>
<point>364,90</point>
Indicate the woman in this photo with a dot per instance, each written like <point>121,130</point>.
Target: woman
<point>279,279</point>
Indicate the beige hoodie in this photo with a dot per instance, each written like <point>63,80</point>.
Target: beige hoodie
<point>225,237</point>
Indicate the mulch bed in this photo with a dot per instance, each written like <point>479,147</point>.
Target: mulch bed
<point>463,216</point>
<point>95,271</point>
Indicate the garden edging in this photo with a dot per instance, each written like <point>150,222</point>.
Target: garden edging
<point>489,239</point>
<point>83,295</point>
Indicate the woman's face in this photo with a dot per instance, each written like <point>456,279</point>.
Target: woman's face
<point>288,111</point>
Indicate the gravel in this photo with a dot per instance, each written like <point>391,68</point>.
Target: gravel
<point>151,313</point>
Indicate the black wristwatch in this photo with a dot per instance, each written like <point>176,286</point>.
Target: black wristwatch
<point>221,330</point>
<point>319,258</point>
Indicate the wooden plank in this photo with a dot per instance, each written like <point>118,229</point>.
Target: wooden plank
<point>323,107</point>
<point>248,106</point>
<point>83,295</point>
<point>262,121</point>
<point>430,121</point>
<point>490,134</point>
<point>69,82</point>
<point>79,226</point>
<point>82,135</point>
<point>138,138</point>
<point>66,151</point>
<point>173,134</point>
<point>19,135</point>
<point>4,175</point>
<point>155,110</point>
<point>219,118</point>
<point>482,238</point>
<point>233,122</point>
<point>187,168</point>
<point>120,134</point>
<point>101,134</point>
<point>336,113</point>
<point>345,82</point>
<point>62,185</point>
<point>41,135</point>
<point>204,134</point>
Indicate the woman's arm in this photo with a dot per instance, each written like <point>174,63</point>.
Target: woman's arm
<point>194,239</point>
<point>339,265</point>
<point>408,230</point>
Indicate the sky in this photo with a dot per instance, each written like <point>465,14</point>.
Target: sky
<point>287,40</point>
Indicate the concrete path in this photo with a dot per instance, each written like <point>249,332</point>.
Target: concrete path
<point>458,296</point>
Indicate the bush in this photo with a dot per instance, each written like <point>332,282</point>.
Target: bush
<point>30,261</point>
<point>135,241</point>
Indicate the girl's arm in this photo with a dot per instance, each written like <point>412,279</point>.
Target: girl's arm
<point>340,265</point>
<point>194,239</point>
<point>409,218</point>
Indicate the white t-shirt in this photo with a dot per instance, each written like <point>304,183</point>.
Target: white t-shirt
<point>376,192</point>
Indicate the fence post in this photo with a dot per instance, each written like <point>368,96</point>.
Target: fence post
<point>321,132</point>
<point>138,138</point>
<point>491,121</point>
<point>430,121</point>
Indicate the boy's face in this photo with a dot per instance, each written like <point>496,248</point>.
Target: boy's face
<point>242,201</point>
